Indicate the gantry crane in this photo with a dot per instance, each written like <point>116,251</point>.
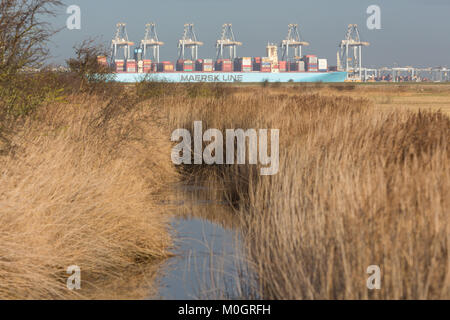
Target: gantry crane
<point>350,52</point>
<point>189,41</point>
<point>227,40</point>
<point>292,40</point>
<point>151,41</point>
<point>120,41</point>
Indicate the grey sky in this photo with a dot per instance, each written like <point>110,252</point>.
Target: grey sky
<point>414,32</point>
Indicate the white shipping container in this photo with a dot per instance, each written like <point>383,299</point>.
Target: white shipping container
<point>301,66</point>
<point>310,59</point>
<point>323,64</point>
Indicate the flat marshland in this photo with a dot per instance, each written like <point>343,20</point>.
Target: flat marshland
<point>383,96</point>
<point>364,180</point>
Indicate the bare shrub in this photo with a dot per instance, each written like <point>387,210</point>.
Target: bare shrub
<point>90,73</point>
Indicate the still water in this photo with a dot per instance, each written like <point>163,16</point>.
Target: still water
<point>208,262</point>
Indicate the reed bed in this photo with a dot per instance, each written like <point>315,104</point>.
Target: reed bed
<point>356,187</point>
<point>86,183</point>
<point>81,185</point>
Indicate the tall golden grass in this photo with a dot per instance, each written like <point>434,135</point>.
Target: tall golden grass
<point>84,183</point>
<point>356,187</point>
<point>81,186</point>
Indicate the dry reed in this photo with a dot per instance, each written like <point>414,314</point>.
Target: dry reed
<point>82,186</point>
<point>356,187</point>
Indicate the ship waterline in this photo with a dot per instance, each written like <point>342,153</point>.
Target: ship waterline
<point>230,77</point>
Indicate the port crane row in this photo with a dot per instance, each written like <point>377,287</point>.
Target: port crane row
<point>349,54</point>
<point>188,45</point>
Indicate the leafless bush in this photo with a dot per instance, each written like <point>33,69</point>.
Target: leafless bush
<point>24,33</point>
<point>85,66</point>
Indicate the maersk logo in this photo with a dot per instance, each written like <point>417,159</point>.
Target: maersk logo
<point>211,78</point>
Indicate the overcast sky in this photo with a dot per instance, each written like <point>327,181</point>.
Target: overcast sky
<point>414,32</point>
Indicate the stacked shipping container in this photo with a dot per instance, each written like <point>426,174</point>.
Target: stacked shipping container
<point>165,66</point>
<point>333,68</point>
<point>282,66</point>
<point>243,64</point>
<point>179,65</point>
<point>323,65</point>
<point>311,62</point>
<point>224,65</point>
<point>266,64</point>
<point>185,65</point>
<point>120,65</point>
<point>257,64</point>
<point>147,66</point>
<point>131,66</point>
<point>204,65</point>
<point>297,66</point>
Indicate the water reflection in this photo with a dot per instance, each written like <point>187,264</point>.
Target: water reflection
<point>208,263</point>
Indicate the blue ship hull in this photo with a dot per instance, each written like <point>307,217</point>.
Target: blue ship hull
<point>246,77</point>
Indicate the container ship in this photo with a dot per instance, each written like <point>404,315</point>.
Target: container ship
<point>306,68</point>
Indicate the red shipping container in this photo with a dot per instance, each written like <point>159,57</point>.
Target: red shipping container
<point>131,66</point>
<point>224,65</point>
